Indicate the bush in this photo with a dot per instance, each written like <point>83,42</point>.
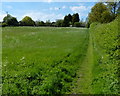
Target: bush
<point>27,21</point>
<point>77,24</point>
<point>59,23</point>
<point>106,53</point>
<point>93,25</point>
<point>10,21</point>
<point>3,24</point>
<point>39,23</point>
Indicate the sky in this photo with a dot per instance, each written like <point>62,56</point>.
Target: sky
<point>45,10</point>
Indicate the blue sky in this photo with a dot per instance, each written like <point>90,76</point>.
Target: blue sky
<point>45,10</point>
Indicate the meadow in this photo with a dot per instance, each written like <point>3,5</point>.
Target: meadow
<point>59,60</point>
<point>40,60</point>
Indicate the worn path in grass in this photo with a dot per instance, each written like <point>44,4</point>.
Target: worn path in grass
<point>83,85</point>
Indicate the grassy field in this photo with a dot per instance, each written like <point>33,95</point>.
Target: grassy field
<point>46,60</point>
<point>42,60</point>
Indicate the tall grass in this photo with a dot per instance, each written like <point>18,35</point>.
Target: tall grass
<point>41,60</point>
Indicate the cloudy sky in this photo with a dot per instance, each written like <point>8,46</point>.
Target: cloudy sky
<point>45,10</point>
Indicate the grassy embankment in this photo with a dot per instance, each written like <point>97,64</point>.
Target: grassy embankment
<point>106,43</point>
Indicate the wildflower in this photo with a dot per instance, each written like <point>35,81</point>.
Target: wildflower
<point>22,58</point>
<point>102,57</point>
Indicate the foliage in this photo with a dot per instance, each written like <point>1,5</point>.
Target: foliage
<point>39,23</point>
<point>75,18</point>
<point>69,17</point>
<point>40,60</point>
<point>118,10</point>
<point>106,58</point>
<point>77,24</point>
<point>3,24</point>
<point>48,23</point>
<point>113,6</point>
<point>100,13</point>
<point>66,21</point>
<point>87,25</point>
<point>27,21</point>
<point>59,23</point>
<point>10,21</point>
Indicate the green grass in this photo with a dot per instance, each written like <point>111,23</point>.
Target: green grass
<point>46,60</point>
<point>42,60</point>
<point>85,72</point>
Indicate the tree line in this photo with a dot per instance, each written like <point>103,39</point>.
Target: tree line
<point>102,12</point>
<point>69,20</point>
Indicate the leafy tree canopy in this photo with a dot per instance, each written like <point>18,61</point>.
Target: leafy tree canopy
<point>100,13</point>
<point>10,21</point>
<point>75,18</point>
<point>27,21</point>
<point>59,23</point>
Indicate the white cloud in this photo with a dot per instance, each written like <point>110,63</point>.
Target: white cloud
<point>2,15</point>
<point>56,8</point>
<point>82,10</point>
<point>79,8</point>
<point>63,7</point>
<point>49,0</point>
<point>43,16</point>
<point>53,1</point>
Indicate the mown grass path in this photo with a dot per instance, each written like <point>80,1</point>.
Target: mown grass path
<point>83,85</point>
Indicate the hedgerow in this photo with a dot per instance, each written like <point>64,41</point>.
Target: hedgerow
<point>106,57</point>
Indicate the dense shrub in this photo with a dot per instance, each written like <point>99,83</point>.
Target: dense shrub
<point>77,24</point>
<point>3,24</point>
<point>106,58</point>
<point>9,21</point>
<point>27,21</point>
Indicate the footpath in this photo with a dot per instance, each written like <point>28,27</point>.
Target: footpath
<point>83,85</point>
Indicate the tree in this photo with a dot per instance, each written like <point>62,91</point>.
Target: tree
<point>106,17</point>
<point>69,17</point>
<point>112,6</point>
<point>66,21</point>
<point>10,21</point>
<point>87,23</point>
<point>27,21</point>
<point>118,10</point>
<point>6,18</point>
<point>53,24</point>
<point>75,18</point>
<point>13,21</point>
<point>100,13</point>
<point>48,23</point>
<point>39,23</point>
<point>77,24</point>
<point>59,23</point>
